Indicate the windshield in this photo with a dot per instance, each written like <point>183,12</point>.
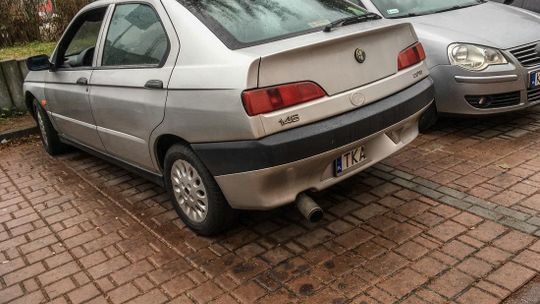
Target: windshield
<point>406,8</point>
<point>240,23</point>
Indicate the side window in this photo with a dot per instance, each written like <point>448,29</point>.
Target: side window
<point>135,37</point>
<point>78,46</point>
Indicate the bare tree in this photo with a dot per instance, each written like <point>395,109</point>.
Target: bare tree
<point>19,21</point>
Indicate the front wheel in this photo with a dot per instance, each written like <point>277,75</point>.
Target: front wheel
<point>49,136</point>
<point>195,195</point>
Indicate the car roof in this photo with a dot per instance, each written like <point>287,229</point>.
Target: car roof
<point>101,3</point>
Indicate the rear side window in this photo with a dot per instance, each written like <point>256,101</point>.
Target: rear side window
<point>241,23</point>
<point>135,37</point>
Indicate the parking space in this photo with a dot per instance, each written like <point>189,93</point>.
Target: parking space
<point>487,166</point>
<point>454,218</point>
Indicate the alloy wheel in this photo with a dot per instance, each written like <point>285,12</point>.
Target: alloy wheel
<point>189,191</point>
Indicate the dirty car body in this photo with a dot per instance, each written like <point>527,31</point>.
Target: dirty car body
<point>456,33</point>
<point>289,104</point>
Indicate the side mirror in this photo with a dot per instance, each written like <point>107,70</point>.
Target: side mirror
<point>39,63</point>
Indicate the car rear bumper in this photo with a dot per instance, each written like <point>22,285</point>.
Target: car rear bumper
<point>271,172</point>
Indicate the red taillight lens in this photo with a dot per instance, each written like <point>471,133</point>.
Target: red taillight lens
<point>411,56</point>
<point>266,100</point>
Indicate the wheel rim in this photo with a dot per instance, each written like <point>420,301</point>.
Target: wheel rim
<point>42,128</point>
<point>189,191</point>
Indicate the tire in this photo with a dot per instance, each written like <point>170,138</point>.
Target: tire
<point>49,136</point>
<point>195,195</point>
<point>428,119</point>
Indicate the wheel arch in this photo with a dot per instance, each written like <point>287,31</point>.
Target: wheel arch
<point>163,143</point>
<point>29,102</point>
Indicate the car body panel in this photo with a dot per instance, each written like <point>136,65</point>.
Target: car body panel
<point>34,84</point>
<point>69,104</point>
<point>382,47</point>
<point>126,112</point>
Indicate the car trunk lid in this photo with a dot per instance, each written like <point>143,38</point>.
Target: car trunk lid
<point>332,61</point>
<point>328,59</point>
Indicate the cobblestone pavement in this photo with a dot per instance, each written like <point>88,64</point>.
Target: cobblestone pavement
<point>454,218</point>
<point>490,167</point>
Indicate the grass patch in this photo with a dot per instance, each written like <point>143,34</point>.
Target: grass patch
<point>27,50</point>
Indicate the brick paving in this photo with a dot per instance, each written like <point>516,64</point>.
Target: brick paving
<point>489,167</point>
<point>454,218</point>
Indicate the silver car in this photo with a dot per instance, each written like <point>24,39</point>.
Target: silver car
<point>232,104</point>
<point>483,56</point>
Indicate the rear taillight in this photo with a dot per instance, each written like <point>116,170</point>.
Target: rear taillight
<point>411,56</point>
<point>270,99</point>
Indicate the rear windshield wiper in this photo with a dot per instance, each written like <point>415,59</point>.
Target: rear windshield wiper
<point>350,20</point>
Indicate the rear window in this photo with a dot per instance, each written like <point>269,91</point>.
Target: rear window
<point>242,23</point>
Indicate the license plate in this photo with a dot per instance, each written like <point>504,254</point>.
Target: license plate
<point>350,160</point>
<point>534,79</point>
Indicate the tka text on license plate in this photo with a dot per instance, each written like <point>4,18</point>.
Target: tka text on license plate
<point>350,160</point>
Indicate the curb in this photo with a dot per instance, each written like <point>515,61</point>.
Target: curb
<point>18,133</point>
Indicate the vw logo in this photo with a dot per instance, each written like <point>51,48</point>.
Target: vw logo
<point>538,49</point>
<point>360,55</point>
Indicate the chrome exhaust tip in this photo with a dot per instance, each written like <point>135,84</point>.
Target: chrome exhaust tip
<point>309,208</point>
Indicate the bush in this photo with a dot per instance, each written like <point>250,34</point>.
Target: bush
<point>22,22</point>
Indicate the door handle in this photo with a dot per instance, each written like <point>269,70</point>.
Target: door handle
<point>82,81</point>
<point>154,84</point>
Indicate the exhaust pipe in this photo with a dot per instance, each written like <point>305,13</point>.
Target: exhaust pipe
<point>309,208</point>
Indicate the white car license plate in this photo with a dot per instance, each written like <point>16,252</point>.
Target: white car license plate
<point>350,160</point>
<point>534,79</point>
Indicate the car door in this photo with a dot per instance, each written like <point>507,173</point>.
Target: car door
<point>128,88</point>
<point>66,88</point>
